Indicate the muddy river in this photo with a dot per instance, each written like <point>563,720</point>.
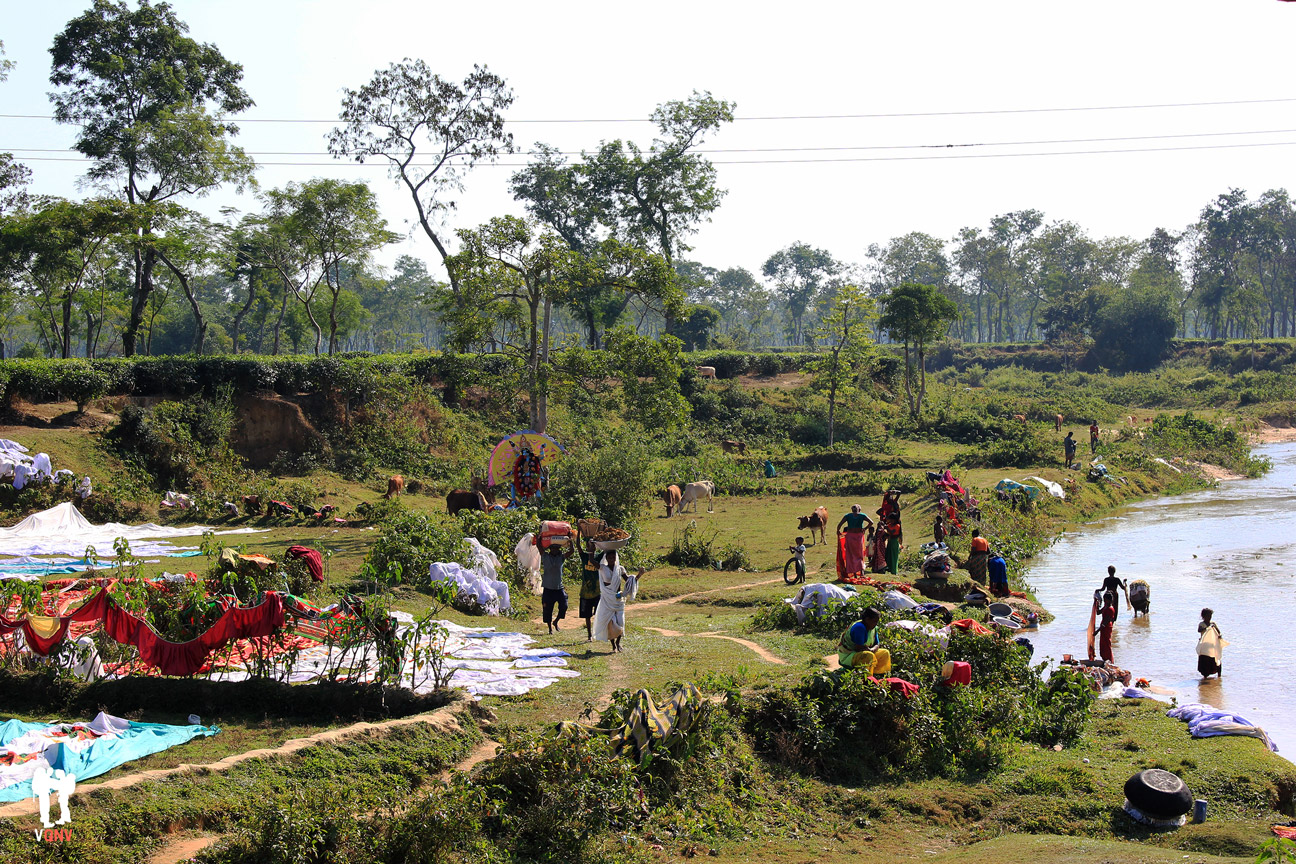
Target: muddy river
<point>1232,549</point>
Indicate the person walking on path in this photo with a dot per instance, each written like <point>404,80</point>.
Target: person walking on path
<point>1069,448</point>
<point>1210,646</point>
<point>615,588</point>
<point>552,563</point>
<point>589,586</point>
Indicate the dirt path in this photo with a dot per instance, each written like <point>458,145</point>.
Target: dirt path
<point>183,849</point>
<point>653,604</point>
<point>746,643</point>
<point>443,719</point>
<point>483,752</point>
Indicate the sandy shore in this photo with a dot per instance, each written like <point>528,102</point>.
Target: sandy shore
<point>1215,472</point>
<point>1266,434</point>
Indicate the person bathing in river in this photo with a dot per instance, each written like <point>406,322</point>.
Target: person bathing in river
<point>854,523</point>
<point>861,648</point>
<point>1111,584</point>
<point>1210,646</point>
<point>1108,620</point>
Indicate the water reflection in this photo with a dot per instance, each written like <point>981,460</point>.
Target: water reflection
<point>1230,549</point>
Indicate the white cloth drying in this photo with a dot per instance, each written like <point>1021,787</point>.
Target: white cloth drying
<point>815,598</point>
<point>489,593</point>
<point>62,530</point>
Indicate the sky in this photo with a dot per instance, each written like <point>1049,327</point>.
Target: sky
<point>613,63</point>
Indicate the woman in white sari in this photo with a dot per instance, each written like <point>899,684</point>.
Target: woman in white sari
<point>615,588</point>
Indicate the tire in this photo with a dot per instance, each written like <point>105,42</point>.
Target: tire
<point>1159,794</point>
<point>790,566</point>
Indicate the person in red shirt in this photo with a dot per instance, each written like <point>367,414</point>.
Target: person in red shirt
<point>978,556</point>
<point>1093,437</point>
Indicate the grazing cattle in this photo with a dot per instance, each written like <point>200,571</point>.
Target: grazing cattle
<point>252,505</point>
<point>1057,422</point>
<point>734,446</point>
<point>463,499</point>
<point>1020,418</point>
<point>694,492</point>
<point>816,521</point>
<point>706,371</point>
<point>671,498</point>
<point>395,486</point>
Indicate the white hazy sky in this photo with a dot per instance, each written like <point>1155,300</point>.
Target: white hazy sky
<point>612,61</point>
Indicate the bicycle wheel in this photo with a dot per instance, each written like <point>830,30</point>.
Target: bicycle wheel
<point>795,577</point>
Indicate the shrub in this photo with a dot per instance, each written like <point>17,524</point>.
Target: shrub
<point>692,546</point>
<point>410,544</point>
<point>610,481</point>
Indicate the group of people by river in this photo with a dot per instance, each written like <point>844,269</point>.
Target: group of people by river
<point>876,543</point>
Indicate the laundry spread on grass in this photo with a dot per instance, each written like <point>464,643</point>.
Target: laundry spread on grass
<point>62,530</point>
<point>1207,721</point>
<point>83,750</point>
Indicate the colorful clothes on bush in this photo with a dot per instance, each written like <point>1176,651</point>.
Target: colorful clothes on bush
<point>314,561</point>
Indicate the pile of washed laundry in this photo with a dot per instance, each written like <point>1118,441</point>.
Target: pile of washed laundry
<point>83,750</point>
<point>20,469</point>
<point>1207,721</point>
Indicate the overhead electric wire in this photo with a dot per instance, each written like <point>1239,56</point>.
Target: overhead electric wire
<point>914,158</point>
<point>705,150</point>
<point>779,117</point>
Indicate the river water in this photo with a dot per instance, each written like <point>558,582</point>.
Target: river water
<point>1232,549</point>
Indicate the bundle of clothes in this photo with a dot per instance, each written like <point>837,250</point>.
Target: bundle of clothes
<point>1207,721</point>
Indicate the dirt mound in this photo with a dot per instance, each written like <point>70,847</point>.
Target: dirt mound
<point>269,425</point>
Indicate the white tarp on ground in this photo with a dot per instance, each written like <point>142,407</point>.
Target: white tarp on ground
<point>62,530</point>
<point>1054,489</point>
<point>815,598</point>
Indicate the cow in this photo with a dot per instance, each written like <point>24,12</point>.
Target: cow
<point>706,371</point>
<point>1020,418</point>
<point>1057,422</point>
<point>816,521</point>
<point>252,505</point>
<point>463,499</point>
<point>693,492</point>
<point>395,486</point>
<point>671,498</point>
<point>731,446</point>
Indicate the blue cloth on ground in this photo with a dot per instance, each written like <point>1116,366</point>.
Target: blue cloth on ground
<point>1207,721</point>
<point>129,741</point>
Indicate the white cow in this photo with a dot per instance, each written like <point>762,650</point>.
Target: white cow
<point>693,492</point>
<point>706,371</point>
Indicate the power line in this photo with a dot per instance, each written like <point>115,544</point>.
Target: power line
<point>779,117</point>
<point>913,158</point>
<point>969,144</point>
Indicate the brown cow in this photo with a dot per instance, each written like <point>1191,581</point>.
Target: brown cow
<point>731,446</point>
<point>1057,422</point>
<point>462,499</point>
<point>671,498</point>
<point>395,486</point>
<point>816,521</point>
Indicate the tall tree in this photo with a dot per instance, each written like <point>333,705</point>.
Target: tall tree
<point>431,131</point>
<point>191,247</point>
<point>915,315</point>
<point>800,272</point>
<point>149,102</point>
<point>845,333</point>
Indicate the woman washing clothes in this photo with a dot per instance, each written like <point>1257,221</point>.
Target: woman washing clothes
<point>854,522</point>
<point>1105,628</point>
<point>861,646</point>
<point>615,588</point>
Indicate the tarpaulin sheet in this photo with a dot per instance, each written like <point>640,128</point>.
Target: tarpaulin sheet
<point>62,530</point>
<point>84,750</point>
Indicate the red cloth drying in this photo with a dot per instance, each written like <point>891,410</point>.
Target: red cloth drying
<point>313,559</point>
<point>186,658</point>
<point>901,686</point>
<point>92,610</point>
<point>961,674</point>
<point>841,557</point>
<point>971,626</point>
<point>1284,832</point>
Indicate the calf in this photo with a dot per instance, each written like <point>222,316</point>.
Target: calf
<point>252,505</point>
<point>693,492</point>
<point>816,521</point>
<point>734,446</point>
<point>462,499</point>
<point>706,371</point>
<point>395,486</point>
<point>671,498</point>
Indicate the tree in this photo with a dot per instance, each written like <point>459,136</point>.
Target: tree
<point>506,266</point>
<point>694,325</point>
<point>191,247</point>
<point>845,332</point>
<point>605,280</point>
<point>143,95</point>
<point>53,249</point>
<point>406,111</point>
<point>654,198</point>
<point>14,176</point>
<point>914,315</point>
<point>799,271</point>
<point>319,226</point>
<point>1133,328</point>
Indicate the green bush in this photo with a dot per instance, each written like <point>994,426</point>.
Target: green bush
<point>410,543</point>
<point>692,546</point>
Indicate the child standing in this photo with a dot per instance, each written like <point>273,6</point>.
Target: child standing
<point>799,551</point>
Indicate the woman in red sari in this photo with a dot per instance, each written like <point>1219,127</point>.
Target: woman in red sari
<point>1105,629</point>
<point>854,523</point>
